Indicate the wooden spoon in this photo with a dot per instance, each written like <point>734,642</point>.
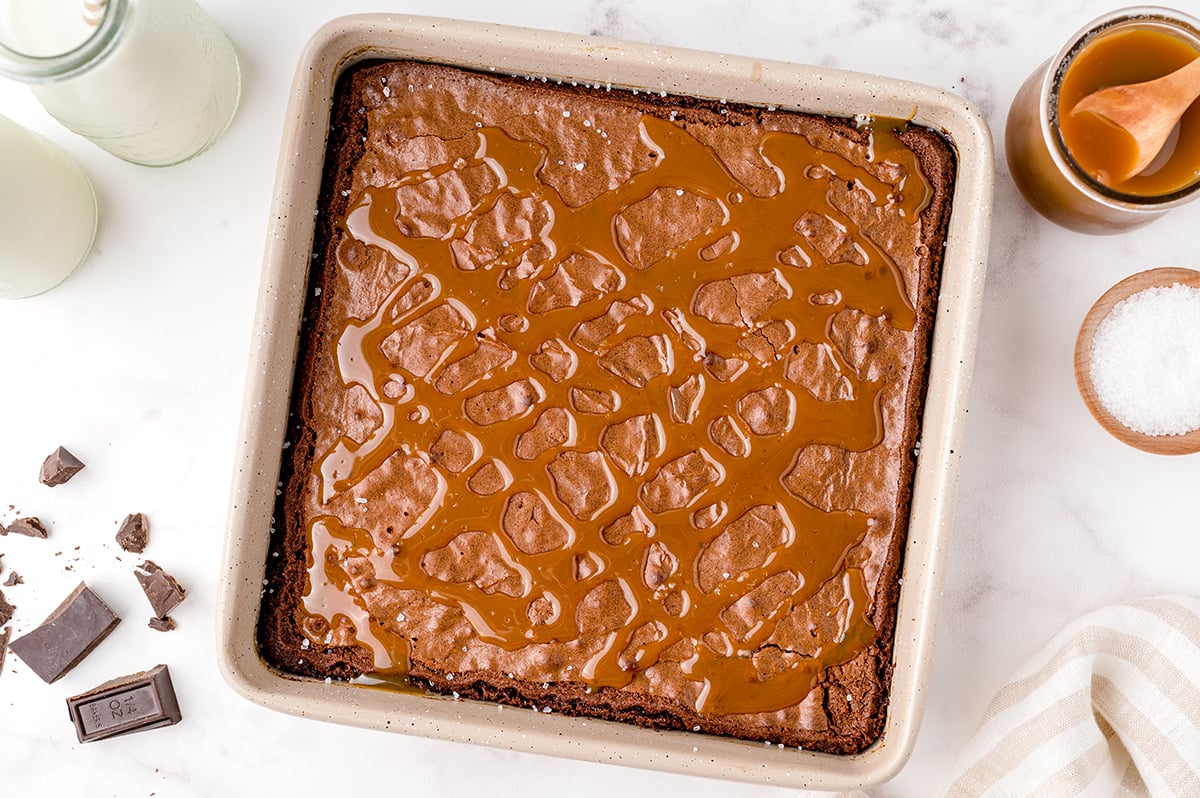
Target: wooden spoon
<point>1148,111</point>
<point>1188,443</point>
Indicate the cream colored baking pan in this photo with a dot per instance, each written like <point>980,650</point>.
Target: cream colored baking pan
<point>685,72</point>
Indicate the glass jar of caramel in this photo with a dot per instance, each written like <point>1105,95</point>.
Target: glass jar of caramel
<point>1056,158</point>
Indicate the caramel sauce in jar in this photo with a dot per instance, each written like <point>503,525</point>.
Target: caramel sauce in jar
<point>1061,163</point>
<point>1101,148</point>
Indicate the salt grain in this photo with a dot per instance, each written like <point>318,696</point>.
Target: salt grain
<point>1145,360</point>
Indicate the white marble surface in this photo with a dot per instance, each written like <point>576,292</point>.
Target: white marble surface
<point>137,362</point>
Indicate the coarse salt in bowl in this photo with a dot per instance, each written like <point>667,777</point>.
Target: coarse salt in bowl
<point>1140,376</point>
<point>1145,360</point>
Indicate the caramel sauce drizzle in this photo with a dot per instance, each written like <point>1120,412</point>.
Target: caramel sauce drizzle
<point>677,347</point>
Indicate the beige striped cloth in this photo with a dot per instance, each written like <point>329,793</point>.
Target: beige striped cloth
<point>1110,707</point>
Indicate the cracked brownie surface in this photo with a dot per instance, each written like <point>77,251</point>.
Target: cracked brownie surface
<point>607,403</point>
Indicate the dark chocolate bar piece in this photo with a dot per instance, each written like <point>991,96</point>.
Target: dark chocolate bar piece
<point>161,589</point>
<point>134,533</point>
<point>31,527</point>
<point>60,466</point>
<point>133,703</point>
<point>79,624</point>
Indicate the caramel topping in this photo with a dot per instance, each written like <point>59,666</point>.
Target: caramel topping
<point>1103,149</point>
<point>598,422</point>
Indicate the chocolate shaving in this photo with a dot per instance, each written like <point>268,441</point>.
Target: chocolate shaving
<point>162,624</point>
<point>59,467</point>
<point>30,527</point>
<point>138,702</point>
<point>6,610</point>
<point>162,591</point>
<point>134,533</point>
<point>61,642</point>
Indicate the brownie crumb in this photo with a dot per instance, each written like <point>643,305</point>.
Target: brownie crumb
<point>161,589</point>
<point>31,527</point>
<point>166,624</point>
<point>59,467</point>
<point>134,533</point>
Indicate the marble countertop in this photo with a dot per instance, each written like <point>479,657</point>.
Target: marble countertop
<point>137,363</point>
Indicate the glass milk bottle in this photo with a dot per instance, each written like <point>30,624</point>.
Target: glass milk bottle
<point>47,213</point>
<point>154,82</point>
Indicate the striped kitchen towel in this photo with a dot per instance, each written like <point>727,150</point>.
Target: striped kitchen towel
<point>1110,707</point>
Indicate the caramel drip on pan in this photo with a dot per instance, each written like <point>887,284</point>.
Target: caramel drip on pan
<point>600,405</point>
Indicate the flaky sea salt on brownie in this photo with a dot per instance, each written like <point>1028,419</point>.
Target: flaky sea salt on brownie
<point>606,404</point>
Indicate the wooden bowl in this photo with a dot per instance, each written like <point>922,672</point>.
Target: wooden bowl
<point>1188,443</point>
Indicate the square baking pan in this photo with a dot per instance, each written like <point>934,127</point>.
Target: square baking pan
<point>520,51</point>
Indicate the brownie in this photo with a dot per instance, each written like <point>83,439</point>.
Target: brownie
<point>608,403</point>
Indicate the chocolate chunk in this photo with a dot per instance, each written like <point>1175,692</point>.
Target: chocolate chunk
<point>133,703</point>
<point>162,624</point>
<point>4,633</point>
<point>31,527</point>
<point>161,589</point>
<point>14,578</point>
<point>61,642</point>
<point>60,466</point>
<point>134,533</point>
<point>6,610</point>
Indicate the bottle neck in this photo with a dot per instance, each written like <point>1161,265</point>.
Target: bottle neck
<point>20,60</point>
